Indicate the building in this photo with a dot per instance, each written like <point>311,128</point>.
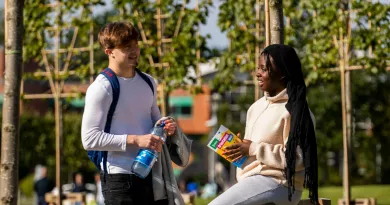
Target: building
<point>191,111</point>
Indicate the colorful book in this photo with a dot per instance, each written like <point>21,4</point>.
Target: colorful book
<point>223,138</point>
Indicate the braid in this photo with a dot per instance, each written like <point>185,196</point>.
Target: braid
<point>302,128</point>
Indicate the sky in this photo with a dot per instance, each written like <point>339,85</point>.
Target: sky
<point>217,40</point>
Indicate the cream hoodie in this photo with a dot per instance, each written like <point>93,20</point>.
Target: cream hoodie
<point>268,126</point>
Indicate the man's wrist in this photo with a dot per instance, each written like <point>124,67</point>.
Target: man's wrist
<point>131,139</point>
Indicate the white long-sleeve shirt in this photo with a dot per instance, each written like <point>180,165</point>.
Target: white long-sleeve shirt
<point>135,114</point>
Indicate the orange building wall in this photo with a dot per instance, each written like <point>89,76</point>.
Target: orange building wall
<point>196,124</point>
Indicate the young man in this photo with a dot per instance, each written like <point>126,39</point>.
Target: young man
<point>133,119</point>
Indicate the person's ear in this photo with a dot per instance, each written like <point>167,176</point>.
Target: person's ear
<point>109,52</point>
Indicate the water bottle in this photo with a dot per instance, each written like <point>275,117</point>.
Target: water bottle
<point>146,158</point>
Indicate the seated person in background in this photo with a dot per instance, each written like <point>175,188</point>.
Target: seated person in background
<point>78,184</point>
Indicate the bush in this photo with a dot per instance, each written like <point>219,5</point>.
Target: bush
<point>27,185</point>
<point>37,145</point>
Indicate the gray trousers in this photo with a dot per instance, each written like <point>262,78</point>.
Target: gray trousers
<point>257,190</point>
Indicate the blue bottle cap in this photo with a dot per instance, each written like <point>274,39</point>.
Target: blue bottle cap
<point>162,123</point>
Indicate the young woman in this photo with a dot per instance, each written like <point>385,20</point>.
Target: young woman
<point>279,138</point>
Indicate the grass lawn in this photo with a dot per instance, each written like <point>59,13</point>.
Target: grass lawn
<point>380,192</point>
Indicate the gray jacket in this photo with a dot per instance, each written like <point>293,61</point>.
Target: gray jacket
<point>177,149</point>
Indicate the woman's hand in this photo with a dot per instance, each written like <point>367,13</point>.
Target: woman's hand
<point>236,151</point>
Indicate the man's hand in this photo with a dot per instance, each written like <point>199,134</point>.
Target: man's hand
<point>170,126</point>
<point>149,141</point>
<point>236,151</point>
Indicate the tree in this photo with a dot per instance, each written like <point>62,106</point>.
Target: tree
<point>184,44</point>
<point>315,29</point>
<point>2,31</point>
<point>10,124</point>
<point>58,63</point>
<point>41,130</point>
<point>276,21</point>
<point>237,19</point>
<point>371,113</point>
<point>167,60</point>
<point>319,29</point>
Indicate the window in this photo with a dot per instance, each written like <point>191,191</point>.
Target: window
<point>186,110</point>
<point>180,106</point>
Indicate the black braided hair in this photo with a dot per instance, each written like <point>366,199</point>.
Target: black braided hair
<point>302,129</point>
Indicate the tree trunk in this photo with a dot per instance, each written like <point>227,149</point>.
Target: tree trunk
<point>10,126</point>
<point>276,21</point>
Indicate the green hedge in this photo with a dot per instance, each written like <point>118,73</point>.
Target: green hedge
<point>37,145</point>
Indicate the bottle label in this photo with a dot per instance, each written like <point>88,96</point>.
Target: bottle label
<point>145,157</point>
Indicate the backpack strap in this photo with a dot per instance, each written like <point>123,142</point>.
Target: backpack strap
<point>110,75</point>
<point>146,79</point>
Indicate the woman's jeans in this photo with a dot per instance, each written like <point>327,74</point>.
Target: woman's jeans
<point>257,190</point>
